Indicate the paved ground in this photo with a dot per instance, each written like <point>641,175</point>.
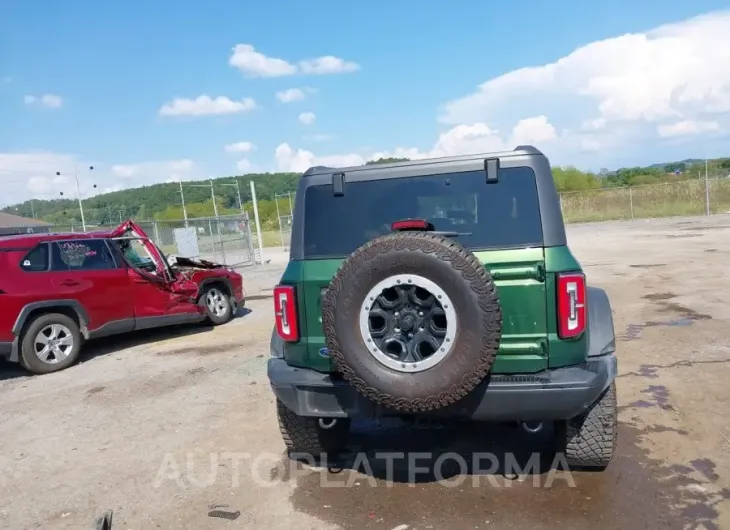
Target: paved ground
<point>165,426</point>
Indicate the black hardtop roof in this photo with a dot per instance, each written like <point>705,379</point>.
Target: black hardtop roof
<point>523,156</point>
<point>522,150</point>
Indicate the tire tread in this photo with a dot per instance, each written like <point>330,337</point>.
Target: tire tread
<point>591,438</point>
<point>471,270</point>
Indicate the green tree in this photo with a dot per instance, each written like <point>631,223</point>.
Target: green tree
<point>390,160</point>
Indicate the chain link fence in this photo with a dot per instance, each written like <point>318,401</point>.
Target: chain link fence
<point>284,215</point>
<point>668,199</point>
<point>224,239</point>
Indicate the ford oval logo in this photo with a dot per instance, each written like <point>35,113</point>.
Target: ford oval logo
<point>324,352</point>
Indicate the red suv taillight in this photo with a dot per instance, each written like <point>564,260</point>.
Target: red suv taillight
<point>285,311</point>
<point>571,304</point>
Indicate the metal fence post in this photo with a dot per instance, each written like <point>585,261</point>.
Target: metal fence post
<point>157,234</point>
<point>220,240</point>
<point>631,201</point>
<point>278,218</point>
<point>707,195</point>
<point>251,249</point>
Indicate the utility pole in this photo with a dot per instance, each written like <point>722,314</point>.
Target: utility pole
<point>258,222</point>
<point>78,193</point>
<point>78,196</point>
<point>182,198</point>
<point>212,194</point>
<point>240,202</point>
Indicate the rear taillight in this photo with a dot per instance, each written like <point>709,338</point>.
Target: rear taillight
<point>285,311</point>
<point>571,304</point>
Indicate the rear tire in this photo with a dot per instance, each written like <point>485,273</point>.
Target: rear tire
<point>60,334</point>
<point>589,440</point>
<point>217,303</point>
<point>303,436</point>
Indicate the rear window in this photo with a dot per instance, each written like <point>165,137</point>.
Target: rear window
<point>87,255</point>
<point>501,215</point>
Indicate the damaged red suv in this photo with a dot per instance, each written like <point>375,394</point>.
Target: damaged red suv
<point>58,290</point>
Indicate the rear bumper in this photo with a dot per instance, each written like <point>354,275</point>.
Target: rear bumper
<point>556,394</point>
<point>6,348</point>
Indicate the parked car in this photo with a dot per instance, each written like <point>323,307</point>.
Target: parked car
<point>441,288</point>
<point>58,290</point>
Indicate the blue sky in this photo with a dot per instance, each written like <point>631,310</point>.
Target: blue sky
<point>406,81</point>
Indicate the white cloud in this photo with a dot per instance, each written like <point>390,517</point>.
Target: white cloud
<point>480,138</point>
<point>256,64</point>
<point>628,88</point>
<point>594,124</point>
<point>327,65</point>
<point>49,101</point>
<point>33,174</point>
<point>307,118</point>
<point>459,140</point>
<point>207,106</point>
<point>290,95</point>
<point>687,127</point>
<point>287,159</point>
<point>240,147</point>
<point>243,165</point>
<point>156,171</point>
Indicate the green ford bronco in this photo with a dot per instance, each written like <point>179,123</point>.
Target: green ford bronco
<point>442,289</point>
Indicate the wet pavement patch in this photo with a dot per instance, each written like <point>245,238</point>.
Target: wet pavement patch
<point>664,428</point>
<point>633,331</point>
<point>706,467</point>
<point>655,297</point>
<point>705,228</point>
<point>648,371</point>
<point>683,311</point>
<point>657,396</point>
<point>687,316</point>
<point>95,390</point>
<point>651,370</point>
<point>626,495</point>
<point>205,350</point>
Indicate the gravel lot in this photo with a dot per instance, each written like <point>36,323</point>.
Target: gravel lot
<point>165,426</point>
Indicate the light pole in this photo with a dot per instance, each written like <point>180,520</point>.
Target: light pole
<point>212,194</point>
<point>78,193</point>
<point>182,198</point>
<point>238,192</point>
<point>215,211</point>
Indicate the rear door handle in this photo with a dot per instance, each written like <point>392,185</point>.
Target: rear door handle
<point>70,283</point>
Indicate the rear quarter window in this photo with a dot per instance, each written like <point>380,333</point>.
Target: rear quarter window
<point>505,214</point>
<point>37,260</point>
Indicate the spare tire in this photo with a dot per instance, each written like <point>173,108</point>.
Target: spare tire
<point>412,320</point>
